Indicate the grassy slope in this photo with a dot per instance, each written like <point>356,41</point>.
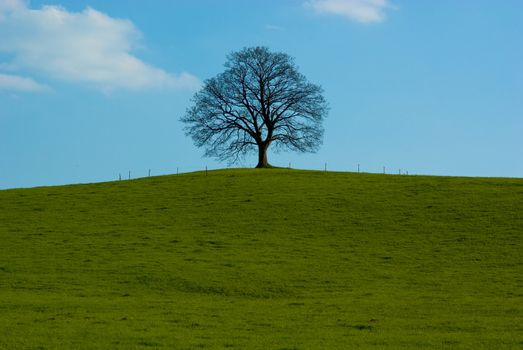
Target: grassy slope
<point>264,259</point>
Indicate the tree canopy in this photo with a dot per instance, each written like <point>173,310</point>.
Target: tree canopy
<point>259,100</point>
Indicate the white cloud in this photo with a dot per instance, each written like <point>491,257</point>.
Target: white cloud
<point>274,27</point>
<point>7,6</point>
<point>17,83</point>
<point>88,47</point>
<point>363,11</point>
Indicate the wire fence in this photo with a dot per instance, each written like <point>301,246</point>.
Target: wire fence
<point>358,168</point>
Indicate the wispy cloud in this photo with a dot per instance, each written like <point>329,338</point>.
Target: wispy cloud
<point>7,6</point>
<point>362,11</point>
<point>88,47</point>
<point>273,27</point>
<point>18,83</point>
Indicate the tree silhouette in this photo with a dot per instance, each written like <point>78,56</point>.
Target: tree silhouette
<point>259,100</point>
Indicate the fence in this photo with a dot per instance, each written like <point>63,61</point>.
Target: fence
<point>357,168</point>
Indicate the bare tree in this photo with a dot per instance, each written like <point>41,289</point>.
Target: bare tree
<point>259,100</point>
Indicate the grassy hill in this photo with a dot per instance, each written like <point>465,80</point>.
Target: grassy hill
<point>264,259</point>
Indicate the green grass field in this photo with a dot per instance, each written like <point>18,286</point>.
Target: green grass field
<point>264,259</point>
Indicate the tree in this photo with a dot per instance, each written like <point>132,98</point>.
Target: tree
<point>259,100</point>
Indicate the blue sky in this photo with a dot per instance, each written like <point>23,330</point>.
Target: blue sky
<point>92,89</point>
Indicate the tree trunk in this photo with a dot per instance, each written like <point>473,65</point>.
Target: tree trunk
<point>262,156</point>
